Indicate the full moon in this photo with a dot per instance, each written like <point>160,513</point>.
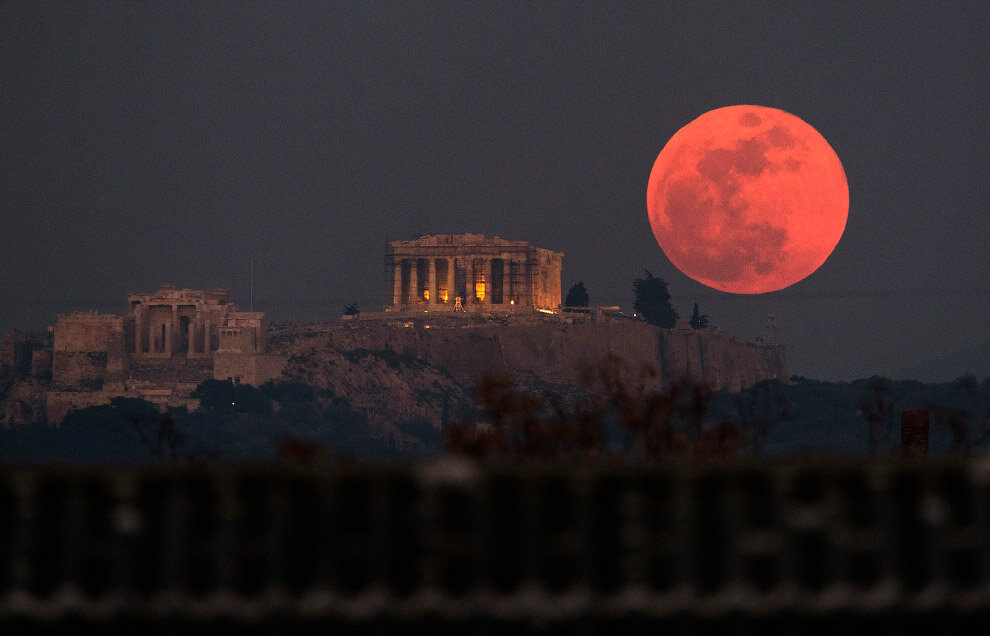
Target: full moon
<point>747,199</point>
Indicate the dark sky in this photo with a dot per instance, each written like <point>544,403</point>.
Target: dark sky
<point>144,143</point>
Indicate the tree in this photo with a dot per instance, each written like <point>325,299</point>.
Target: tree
<point>698,322</point>
<point>577,296</point>
<point>877,407</point>
<point>223,396</point>
<point>653,301</point>
<point>97,430</point>
<point>351,309</point>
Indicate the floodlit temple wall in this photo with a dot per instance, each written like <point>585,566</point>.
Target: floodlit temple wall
<point>471,272</point>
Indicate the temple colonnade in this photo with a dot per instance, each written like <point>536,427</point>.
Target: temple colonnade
<point>473,272</point>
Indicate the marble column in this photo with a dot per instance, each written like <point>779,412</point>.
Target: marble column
<point>397,288</point>
<point>451,293</point>
<point>528,270</point>
<point>431,280</point>
<point>138,325</point>
<point>195,328</point>
<point>172,332</point>
<point>488,281</point>
<point>508,284</point>
<point>471,281</point>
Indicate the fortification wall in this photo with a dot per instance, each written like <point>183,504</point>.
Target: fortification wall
<point>41,362</point>
<point>88,350</point>
<point>562,353</point>
<point>85,331</point>
<point>716,359</point>
<point>59,403</point>
<point>79,369</point>
<point>547,291</point>
<point>248,368</point>
<point>15,352</point>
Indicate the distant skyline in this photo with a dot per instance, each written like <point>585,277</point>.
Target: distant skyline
<point>143,144</point>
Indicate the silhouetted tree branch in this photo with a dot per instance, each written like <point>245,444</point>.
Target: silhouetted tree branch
<point>652,423</point>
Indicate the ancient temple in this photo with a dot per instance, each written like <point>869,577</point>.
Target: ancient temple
<point>168,342</point>
<point>471,272</point>
<point>192,323</point>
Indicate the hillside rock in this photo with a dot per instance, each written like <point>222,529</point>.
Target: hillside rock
<point>397,393</point>
<point>25,404</point>
<point>717,360</point>
<point>560,353</point>
<point>424,370</point>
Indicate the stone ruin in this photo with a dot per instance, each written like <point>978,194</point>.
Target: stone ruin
<point>473,273</point>
<point>494,299</point>
<point>168,342</point>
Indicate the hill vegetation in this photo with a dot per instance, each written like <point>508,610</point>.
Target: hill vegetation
<point>611,420</point>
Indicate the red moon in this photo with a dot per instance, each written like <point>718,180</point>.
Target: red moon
<point>747,199</point>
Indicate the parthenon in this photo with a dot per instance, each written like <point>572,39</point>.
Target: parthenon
<point>470,272</point>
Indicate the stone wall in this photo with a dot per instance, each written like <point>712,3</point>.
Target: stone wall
<point>85,331</point>
<point>711,357</point>
<point>88,350</point>
<point>41,362</point>
<point>59,403</point>
<point>547,275</point>
<point>15,352</point>
<point>248,368</point>
<point>84,370</point>
<point>561,352</point>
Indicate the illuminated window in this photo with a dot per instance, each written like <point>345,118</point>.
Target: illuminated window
<point>443,294</point>
<point>479,289</point>
<point>426,294</point>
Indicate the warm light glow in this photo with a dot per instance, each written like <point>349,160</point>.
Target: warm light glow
<point>443,295</point>
<point>479,290</point>
<point>747,199</point>
<point>426,294</point>
<point>512,301</point>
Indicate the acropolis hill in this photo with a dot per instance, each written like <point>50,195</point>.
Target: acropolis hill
<point>463,305</point>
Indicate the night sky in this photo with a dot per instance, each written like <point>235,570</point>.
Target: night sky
<point>165,142</point>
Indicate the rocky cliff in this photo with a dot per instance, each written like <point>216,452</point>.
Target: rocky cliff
<point>715,359</point>
<point>415,371</point>
<point>394,391</point>
<point>399,369</point>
